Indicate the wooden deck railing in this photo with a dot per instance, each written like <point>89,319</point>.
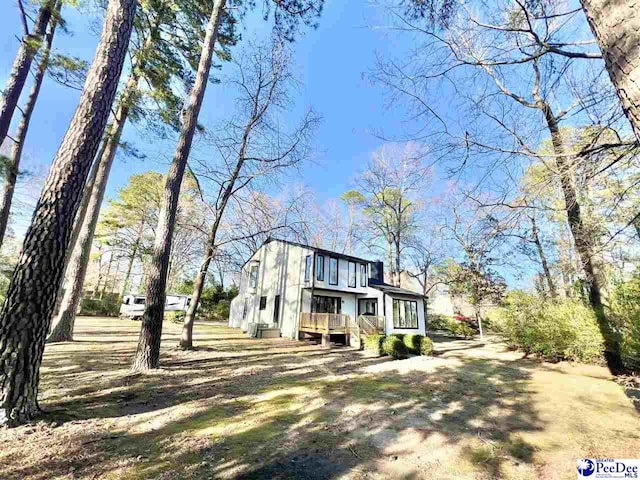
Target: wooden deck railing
<point>339,323</point>
<point>370,325</point>
<point>324,322</point>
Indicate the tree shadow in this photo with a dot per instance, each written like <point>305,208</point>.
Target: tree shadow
<point>289,411</point>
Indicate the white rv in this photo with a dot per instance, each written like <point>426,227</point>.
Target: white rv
<point>133,305</point>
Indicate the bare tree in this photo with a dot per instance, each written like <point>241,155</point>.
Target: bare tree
<point>31,297</point>
<point>523,65</point>
<point>253,146</point>
<point>392,185</point>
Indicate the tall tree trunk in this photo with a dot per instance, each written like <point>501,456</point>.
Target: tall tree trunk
<point>397,260</point>
<point>636,224</point>
<point>106,277</point>
<point>23,127</point>
<point>31,297</point>
<point>148,351</point>
<point>79,259</point>
<point>134,254</point>
<point>543,258</point>
<point>21,65</point>
<point>583,243</point>
<point>616,26</point>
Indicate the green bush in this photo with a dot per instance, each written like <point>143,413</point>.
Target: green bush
<point>438,321</point>
<point>108,306</point>
<point>373,343</point>
<point>426,346</point>
<point>222,310</point>
<point>625,313</point>
<point>462,329</point>
<point>176,316</point>
<point>564,329</point>
<point>394,347</point>
<point>412,342</point>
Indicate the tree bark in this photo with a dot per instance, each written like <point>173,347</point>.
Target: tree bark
<point>79,259</point>
<point>148,352</point>
<point>616,26</point>
<point>543,258</point>
<point>584,244</point>
<point>23,127</point>
<point>31,296</point>
<point>29,46</point>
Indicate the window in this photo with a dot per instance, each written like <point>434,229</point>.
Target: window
<point>322,304</point>
<point>139,301</point>
<point>263,303</point>
<point>307,268</point>
<point>363,275</point>
<point>352,274</point>
<point>320,268</point>
<point>405,313</point>
<point>333,271</point>
<point>253,277</point>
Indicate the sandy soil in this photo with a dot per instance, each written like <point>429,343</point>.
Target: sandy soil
<point>246,408</point>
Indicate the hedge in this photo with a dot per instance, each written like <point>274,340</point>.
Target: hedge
<point>373,343</point>
<point>394,347</point>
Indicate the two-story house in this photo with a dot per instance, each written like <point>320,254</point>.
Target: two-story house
<point>300,289</point>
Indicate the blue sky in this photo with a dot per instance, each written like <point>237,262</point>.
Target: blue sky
<point>331,62</point>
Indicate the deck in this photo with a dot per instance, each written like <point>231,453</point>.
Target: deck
<point>336,323</point>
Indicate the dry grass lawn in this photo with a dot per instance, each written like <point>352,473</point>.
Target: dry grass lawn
<point>244,408</point>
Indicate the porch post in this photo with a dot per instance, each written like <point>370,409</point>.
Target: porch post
<point>326,342</point>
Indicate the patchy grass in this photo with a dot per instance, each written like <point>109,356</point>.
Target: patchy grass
<point>246,408</point>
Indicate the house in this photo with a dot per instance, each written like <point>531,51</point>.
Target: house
<point>299,290</point>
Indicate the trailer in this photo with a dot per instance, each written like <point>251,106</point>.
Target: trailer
<point>133,306</point>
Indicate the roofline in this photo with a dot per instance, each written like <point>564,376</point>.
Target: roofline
<point>404,291</point>
<point>319,250</point>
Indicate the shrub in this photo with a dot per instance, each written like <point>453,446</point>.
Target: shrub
<point>373,343</point>
<point>394,347</point>
<point>564,329</point>
<point>426,346</point>
<point>437,321</point>
<point>222,310</point>
<point>108,306</point>
<point>625,313</point>
<point>412,343</point>
<point>463,329</point>
<point>176,316</point>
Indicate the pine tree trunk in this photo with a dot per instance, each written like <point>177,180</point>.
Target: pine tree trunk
<point>148,351</point>
<point>543,259</point>
<point>23,127</point>
<point>22,64</point>
<point>583,243</point>
<point>30,300</point>
<point>79,260</point>
<point>616,26</point>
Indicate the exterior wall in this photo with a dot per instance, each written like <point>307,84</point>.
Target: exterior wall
<point>280,272</point>
<point>389,315</point>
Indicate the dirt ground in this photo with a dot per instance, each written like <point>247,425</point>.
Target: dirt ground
<point>246,408</point>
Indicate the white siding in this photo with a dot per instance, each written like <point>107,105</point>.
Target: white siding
<point>343,276</point>
<point>280,272</point>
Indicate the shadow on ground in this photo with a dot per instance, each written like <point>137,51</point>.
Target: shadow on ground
<point>242,408</point>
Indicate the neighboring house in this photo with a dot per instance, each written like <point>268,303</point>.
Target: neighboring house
<point>302,289</point>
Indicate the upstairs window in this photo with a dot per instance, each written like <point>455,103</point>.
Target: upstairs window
<point>320,268</point>
<point>352,274</point>
<point>253,277</point>
<point>363,275</point>
<point>263,303</point>
<point>333,271</point>
<point>307,268</point>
